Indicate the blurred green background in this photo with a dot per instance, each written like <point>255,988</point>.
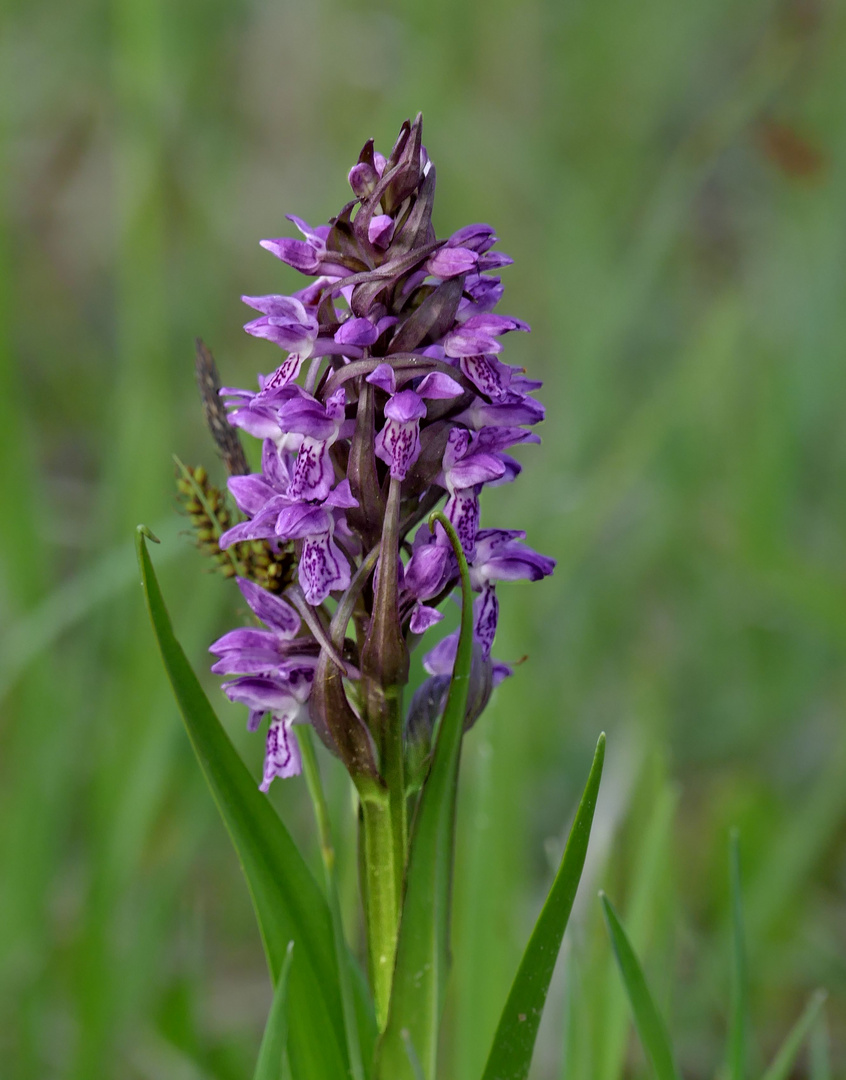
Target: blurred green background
<point>669,178</point>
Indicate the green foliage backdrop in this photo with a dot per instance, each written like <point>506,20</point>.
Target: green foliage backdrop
<point>669,179</point>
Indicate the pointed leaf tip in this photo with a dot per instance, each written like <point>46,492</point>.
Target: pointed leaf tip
<point>648,1021</point>
<point>275,1039</point>
<point>145,531</point>
<point>513,1046</point>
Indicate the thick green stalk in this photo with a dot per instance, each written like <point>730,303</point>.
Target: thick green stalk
<point>311,772</point>
<point>384,668</point>
<point>382,889</point>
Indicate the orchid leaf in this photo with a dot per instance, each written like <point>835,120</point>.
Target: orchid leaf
<point>275,1038</point>
<point>287,900</point>
<point>511,1053</point>
<point>648,1021</point>
<point>408,1047</point>
<point>782,1065</point>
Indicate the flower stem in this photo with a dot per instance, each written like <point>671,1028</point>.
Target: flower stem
<point>382,889</point>
<point>327,851</point>
<point>384,668</point>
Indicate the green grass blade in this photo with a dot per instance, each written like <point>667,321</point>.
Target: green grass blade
<point>738,1030</point>
<point>650,1026</point>
<point>275,1038</point>
<point>514,1042</point>
<point>820,1051</point>
<point>288,902</point>
<point>782,1064</point>
<point>422,949</point>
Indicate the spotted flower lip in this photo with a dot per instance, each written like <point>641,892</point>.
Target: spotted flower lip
<point>391,399</point>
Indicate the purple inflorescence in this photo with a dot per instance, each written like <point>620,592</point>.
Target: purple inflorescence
<point>390,400</point>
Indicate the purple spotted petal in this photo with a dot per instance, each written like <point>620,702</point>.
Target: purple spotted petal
<point>484,376</point>
<point>398,445</point>
<point>457,446</point>
<point>314,473</point>
<point>287,371</point>
<point>462,510</point>
<point>486,616</point>
<point>323,568</point>
<point>282,753</point>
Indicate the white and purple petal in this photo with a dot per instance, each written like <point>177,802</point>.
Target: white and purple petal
<point>282,752</point>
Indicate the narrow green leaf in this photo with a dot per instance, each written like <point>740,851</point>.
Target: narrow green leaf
<point>287,900</point>
<point>514,1042</point>
<point>650,1026</point>
<point>739,988</point>
<point>782,1064</point>
<point>820,1051</point>
<point>422,949</point>
<point>275,1038</point>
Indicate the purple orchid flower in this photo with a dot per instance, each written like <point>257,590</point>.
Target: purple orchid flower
<point>277,668</point>
<point>323,567</point>
<point>398,443</point>
<point>404,404</point>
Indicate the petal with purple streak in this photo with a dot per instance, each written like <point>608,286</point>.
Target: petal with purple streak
<point>323,568</point>
<point>282,753</point>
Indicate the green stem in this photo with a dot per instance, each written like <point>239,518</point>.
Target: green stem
<point>383,895</point>
<point>327,852</point>
<point>384,669</point>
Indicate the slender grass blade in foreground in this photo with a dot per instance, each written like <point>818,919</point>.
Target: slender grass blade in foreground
<point>422,949</point>
<point>740,988</point>
<point>287,900</point>
<point>783,1062</point>
<point>514,1042</point>
<point>275,1038</point>
<point>650,1026</point>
